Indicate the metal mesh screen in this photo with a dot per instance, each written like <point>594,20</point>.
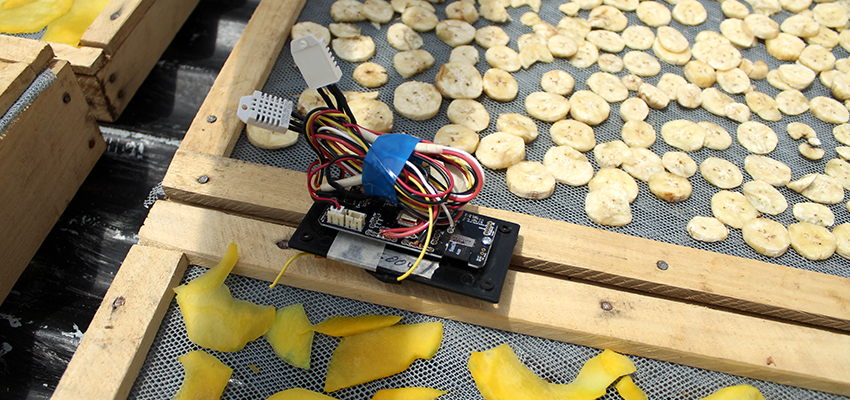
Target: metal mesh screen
<point>41,82</point>
<point>555,361</point>
<point>653,218</point>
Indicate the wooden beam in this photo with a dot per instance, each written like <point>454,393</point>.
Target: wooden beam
<point>84,60</point>
<point>15,78</point>
<point>614,259</point>
<point>31,52</point>
<point>114,347</point>
<point>636,324</point>
<point>115,23</point>
<point>216,127</point>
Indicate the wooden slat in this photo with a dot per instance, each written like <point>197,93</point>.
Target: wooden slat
<point>15,78</point>
<point>115,23</point>
<point>45,155</point>
<point>532,304</point>
<point>246,70</point>
<point>84,60</point>
<point>613,258</point>
<point>31,52</point>
<point>114,346</point>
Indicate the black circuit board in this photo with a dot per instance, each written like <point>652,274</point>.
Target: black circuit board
<point>469,242</point>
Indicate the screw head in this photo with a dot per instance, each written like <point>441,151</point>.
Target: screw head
<point>92,143</point>
<point>607,306</point>
<point>66,98</point>
<point>662,265</point>
<point>114,16</point>
<point>211,119</point>
<point>112,78</point>
<point>203,179</point>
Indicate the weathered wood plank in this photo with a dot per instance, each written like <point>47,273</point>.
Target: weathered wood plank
<point>115,23</point>
<point>124,326</point>
<point>636,324</point>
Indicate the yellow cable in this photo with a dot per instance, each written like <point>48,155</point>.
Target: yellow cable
<point>285,266</point>
<point>424,246</point>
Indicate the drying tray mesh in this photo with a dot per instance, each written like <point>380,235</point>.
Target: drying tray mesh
<point>41,82</point>
<point>652,218</point>
<point>555,361</point>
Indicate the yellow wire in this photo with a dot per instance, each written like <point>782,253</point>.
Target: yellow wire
<point>424,246</point>
<point>285,266</point>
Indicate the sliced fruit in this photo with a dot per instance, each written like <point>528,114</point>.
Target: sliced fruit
<point>291,336</point>
<point>206,376</point>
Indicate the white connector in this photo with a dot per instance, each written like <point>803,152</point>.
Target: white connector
<point>354,220</point>
<point>336,216</point>
<point>265,111</point>
<point>314,60</point>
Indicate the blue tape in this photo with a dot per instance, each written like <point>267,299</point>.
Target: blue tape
<point>384,161</point>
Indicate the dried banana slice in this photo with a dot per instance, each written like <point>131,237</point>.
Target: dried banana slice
<point>588,107</point>
<point>766,7</point>
<point>797,76</point>
<point>562,46</point>
<point>372,114</point>
<point>530,180</point>
<point>723,57</point>
<point>531,18</point>
<point>610,63</point>
<point>683,134</point>
<point>503,57</point>
<point>800,25</point>
<point>347,11</point>
<point>585,56</point>
<point>641,64</point>
<point>417,100</point>
<point>842,134</point>
<point>765,197</point>
<point>832,15</point>
<point>814,213</point>
<point>842,238</point>
<point>623,5</point>
<point>575,134</point>
<point>457,136</point>
<point>812,153</point>
<point>612,154</point>
<point>733,81</point>
<point>271,140</point>
<point>765,106</point>
<point>700,73</point>
<point>494,11</point>
<point>638,37</point>
<point>608,206</point>
<point>575,27</point>
<point>732,208</point>
<point>715,102</point>
<point>634,109</point>
<point>689,12</point>
<point>403,37</point>
<point>457,80</point>
<point>644,164</point>
<point>795,6</point>
<point>829,110</point>
<point>792,102</point>
<point>305,28</point>
<point>707,229</point>
<point>344,30</point>
<point>669,187</point>
<point>467,54</point>
<point>557,82</point>
<point>799,130</point>
<point>638,134</point>
<point>767,169</point>
<point>534,53</point>
<point>607,17</point>
<point>843,152</point>
<point>738,112</point>
<point>632,82</point>
<point>570,8</point>
<point>606,40</point>
<point>517,125</point>
<point>653,14</point>
<point>737,31</point>
<point>841,86</point>
<point>721,173</point>
<point>411,62</point>
<point>499,85</point>
<point>378,11</point>
<point>757,137</point>
<point>817,58</point>
<point>419,18</point>
<point>546,106</point>
<point>455,32</point>
<point>500,150</point>
<point>400,5</point>
<point>679,163</point>
<point>734,9</point>
<point>528,39</point>
<point>767,237</point>
<point>811,241</point>
<point>490,36</point>
<point>534,4</point>
<point>785,47</point>
<point>819,188</point>
<point>653,96</point>
<point>755,70</point>
<point>568,165</point>
<point>716,137</point>
<point>468,113</point>
<point>670,83</point>
<point>607,86</point>
<point>670,57</point>
<point>370,75</point>
<point>617,178</point>
<point>840,170</point>
<point>462,10</point>
<point>826,37</point>
<point>356,49</point>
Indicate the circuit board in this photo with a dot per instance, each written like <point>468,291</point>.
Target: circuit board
<point>472,258</point>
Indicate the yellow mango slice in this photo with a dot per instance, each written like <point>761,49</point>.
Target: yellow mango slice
<point>299,394</point>
<point>206,376</point>
<point>740,392</point>
<point>340,325</point>
<point>628,390</point>
<point>500,375</point>
<point>291,336</point>
<point>70,27</point>
<point>33,16</point>
<point>380,353</point>
<point>409,393</point>
<point>214,319</point>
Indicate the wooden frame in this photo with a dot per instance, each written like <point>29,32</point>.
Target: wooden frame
<point>706,310</point>
<point>45,153</point>
<point>120,48</point>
